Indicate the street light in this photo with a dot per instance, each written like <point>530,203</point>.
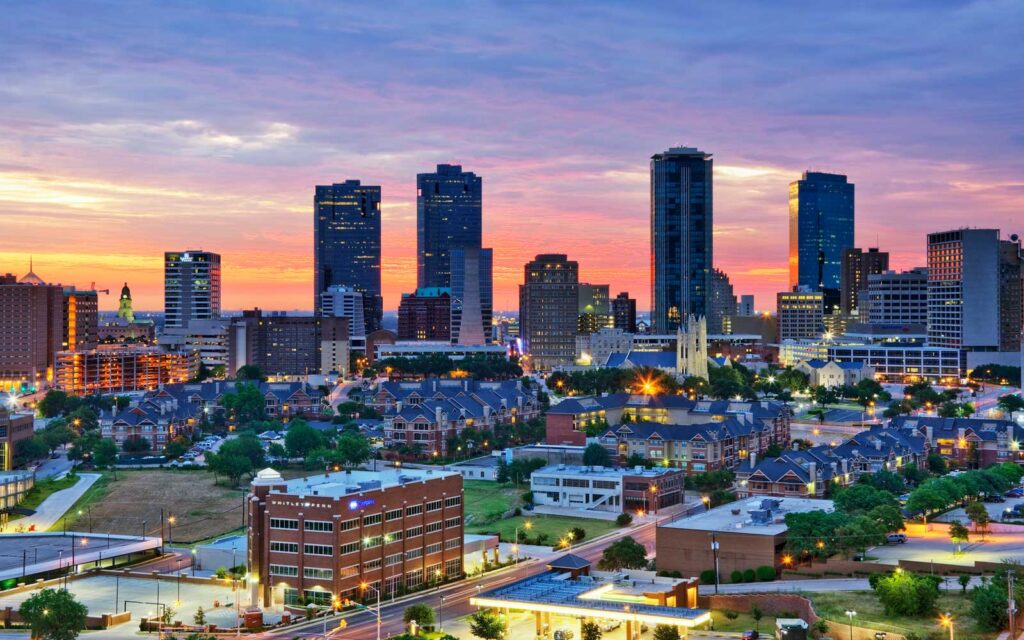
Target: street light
<point>193,562</point>
<point>850,614</point>
<point>707,502</point>
<point>170,530</point>
<point>440,615</point>
<point>946,620</point>
<point>365,586</point>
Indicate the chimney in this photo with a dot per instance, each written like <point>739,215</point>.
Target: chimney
<point>878,444</point>
<point>438,415</point>
<point>796,446</point>
<point>812,471</point>
<point>753,459</point>
<point>398,407</point>
<point>928,434</point>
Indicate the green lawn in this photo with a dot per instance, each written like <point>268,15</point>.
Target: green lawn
<point>833,605</point>
<point>485,502</point>
<point>554,526</point>
<point>42,490</point>
<point>742,622</point>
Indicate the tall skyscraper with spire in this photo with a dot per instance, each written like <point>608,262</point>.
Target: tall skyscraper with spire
<point>449,215</point>
<point>682,216</point>
<point>346,245</point>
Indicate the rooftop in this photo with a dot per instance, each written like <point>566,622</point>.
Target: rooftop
<point>608,472</point>
<point>345,483</point>
<point>763,521</point>
<point>28,554</point>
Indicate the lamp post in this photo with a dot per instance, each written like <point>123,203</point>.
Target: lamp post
<point>193,562</point>
<point>946,619</point>
<point>707,502</point>
<point>440,615</point>
<point>170,530</point>
<point>850,614</point>
<point>367,586</point>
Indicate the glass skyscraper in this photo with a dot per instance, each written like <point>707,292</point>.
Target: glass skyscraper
<point>346,244</point>
<point>681,241</point>
<point>472,296</point>
<point>449,216</point>
<point>820,230</point>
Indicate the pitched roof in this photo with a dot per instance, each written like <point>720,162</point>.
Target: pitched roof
<point>569,561</point>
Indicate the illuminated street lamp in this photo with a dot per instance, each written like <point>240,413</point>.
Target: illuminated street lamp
<point>850,614</point>
<point>946,620</point>
<point>707,502</point>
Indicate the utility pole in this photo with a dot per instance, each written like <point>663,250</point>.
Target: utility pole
<point>714,550</point>
<point>1012,609</point>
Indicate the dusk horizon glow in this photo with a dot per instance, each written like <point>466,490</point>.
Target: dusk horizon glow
<point>127,133</point>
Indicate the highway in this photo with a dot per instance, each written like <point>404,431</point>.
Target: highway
<point>362,626</point>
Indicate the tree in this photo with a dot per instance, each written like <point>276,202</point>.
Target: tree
<point>989,604</point>
<point>354,447</point>
<point>858,533</point>
<point>978,514</point>
<point>84,418</point>
<point>53,615</point>
<point>301,439</point>
<point>861,498</point>
<point>959,534</point>
<point>200,617</point>
<point>820,627</point>
<point>176,448</point>
<point>135,444</point>
<point>246,446</point>
<point>590,630</point>
<point>246,405</point>
<point>937,464</point>
<point>888,517</point>
<point>885,481</point>
<point>486,626</point>
<point>903,593</point>
<point>1010,404</point>
<point>626,553</point>
<point>964,581</point>
<point>595,455</point>
<point>105,453</point>
<point>824,396</point>
<point>57,434</point>
<point>30,449</point>
<point>53,404</point>
<point>84,446</point>
<point>232,465</point>
<point>421,614</point>
<point>756,614</point>
<point>666,632</point>
<point>250,372</point>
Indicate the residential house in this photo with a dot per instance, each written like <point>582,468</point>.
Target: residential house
<point>973,443</point>
<point>835,373</point>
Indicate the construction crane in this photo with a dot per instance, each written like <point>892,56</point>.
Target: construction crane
<point>92,287</point>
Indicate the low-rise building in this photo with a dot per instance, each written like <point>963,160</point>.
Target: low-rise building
<point>971,442</point>
<point>121,369</point>
<point>607,489</point>
<point>418,349</point>
<point>326,536</point>
<point>835,373</point>
<point>748,534</point>
<point>14,428</point>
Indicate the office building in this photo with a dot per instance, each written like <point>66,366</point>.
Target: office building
<point>121,369</point>
<point>340,301</point>
<point>857,265</point>
<point>323,537</point>
<point>425,315</point>
<point>346,245</point>
<point>449,215</point>
<point>336,347</point>
<point>191,287</point>
<point>593,309</point>
<point>81,319</point>
<point>31,330</point>
<point>384,348</point>
<point>1011,295</point>
<point>626,490</point>
<point>723,300</point>
<point>897,299</point>
<point>548,306</point>
<point>821,215</point>
<point>624,312</point>
<point>14,429</point>
<point>800,314</point>
<point>963,289</point>
<point>472,291</point>
<point>745,308</point>
<point>902,362</point>
<point>681,240</point>
<point>595,348</point>
<point>208,338</point>
<point>280,345</point>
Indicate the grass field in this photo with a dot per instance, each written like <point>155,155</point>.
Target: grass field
<point>485,502</point>
<point>42,490</point>
<point>554,526</point>
<point>134,501</point>
<point>742,622</point>
<point>833,605</point>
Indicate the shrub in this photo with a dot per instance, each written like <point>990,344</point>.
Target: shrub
<point>765,573</point>
<point>749,575</point>
<point>736,576</point>
<point>731,615</point>
<point>528,497</point>
<point>578,533</point>
<point>707,576</point>
<point>624,519</point>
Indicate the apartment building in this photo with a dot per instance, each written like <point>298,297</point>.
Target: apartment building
<point>353,534</point>
<point>604,489</point>
<point>973,443</point>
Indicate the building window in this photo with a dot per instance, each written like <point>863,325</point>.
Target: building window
<point>453,502</point>
<point>414,510</point>
<point>319,525</point>
<point>452,522</point>
<point>318,596</point>
<point>284,570</point>
<point>452,544</point>
<point>284,523</point>
<point>433,505</point>
<point>412,554</point>
<point>349,572</point>
<point>374,519</point>
<point>350,547</point>
<point>434,527</point>
<point>393,560</point>
<point>373,541</point>
<point>284,547</point>
<point>316,573</point>
<point>371,564</point>
<point>393,515</point>
<point>348,525</point>
<point>453,568</point>
<point>413,532</point>
<point>317,550</point>
<point>414,579</point>
<point>433,548</point>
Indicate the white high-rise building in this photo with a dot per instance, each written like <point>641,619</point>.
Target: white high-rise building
<point>340,301</point>
<point>191,287</point>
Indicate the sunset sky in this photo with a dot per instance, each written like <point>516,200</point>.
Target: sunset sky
<point>128,129</point>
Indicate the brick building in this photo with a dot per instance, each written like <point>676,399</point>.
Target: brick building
<point>326,536</point>
<point>31,329</point>
<point>973,443</point>
<point>425,315</point>
<point>14,428</point>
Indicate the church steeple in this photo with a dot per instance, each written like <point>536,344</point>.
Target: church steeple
<point>124,309</point>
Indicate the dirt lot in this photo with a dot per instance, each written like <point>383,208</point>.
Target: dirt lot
<point>200,508</point>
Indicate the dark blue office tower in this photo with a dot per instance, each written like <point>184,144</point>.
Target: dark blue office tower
<point>448,216</point>
<point>346,244</point>
<point>820,230</point>
<point>681,241</point>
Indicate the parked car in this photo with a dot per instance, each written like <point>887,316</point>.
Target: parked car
<point>611,625</point>
<point>750,634</point>
<point>903,498</point>
<point>563,634</point>
<point>1016,492</point>
<point>896,538</point>
<point>994,498</point>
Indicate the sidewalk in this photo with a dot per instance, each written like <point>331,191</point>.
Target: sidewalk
<point>54,507</point>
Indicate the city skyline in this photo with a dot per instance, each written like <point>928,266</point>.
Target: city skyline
<point>212,136</point>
